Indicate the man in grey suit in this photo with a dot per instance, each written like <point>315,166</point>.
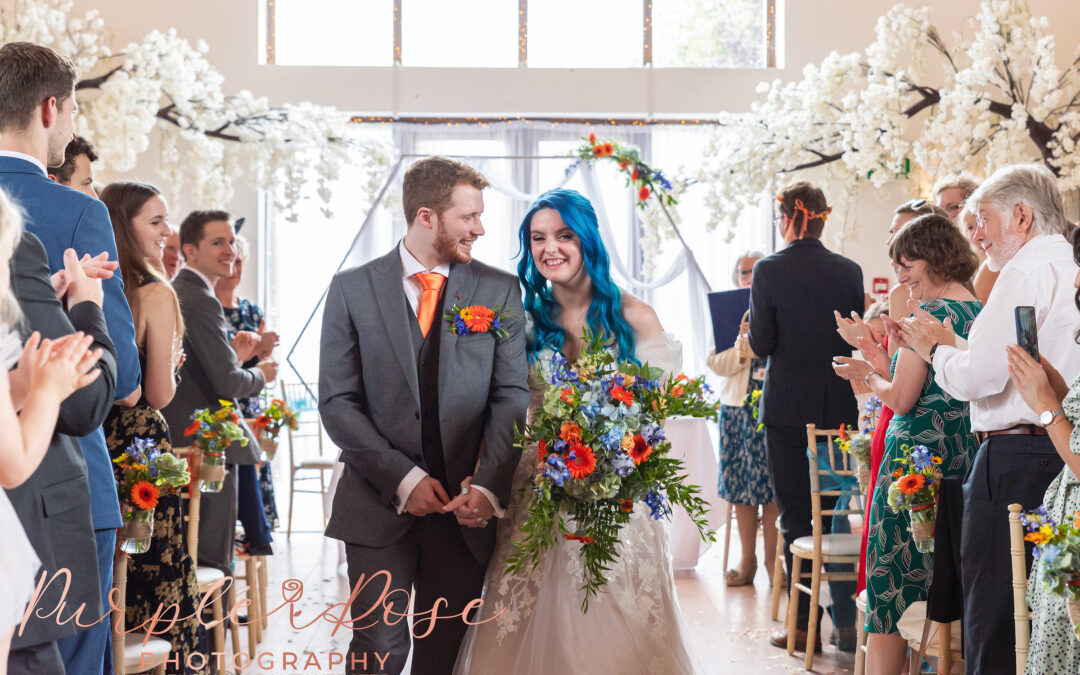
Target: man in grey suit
<point>53,505</point>
<point>211,371</point>
<point>419,413</point>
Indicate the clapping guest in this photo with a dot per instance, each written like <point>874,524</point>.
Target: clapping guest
<point>171,259</point>
<point>77,171</point>
<point>904,214</point>
<point>1020,226</point>
<point>951,193</point>
<point>45,373</point>
<point>37,101</point>
<point>1054,647</point>
<point>165,573</point>
<point>744,469</point>
<point>934,261</point>
<point>256,506</point>
<point>211,373</point>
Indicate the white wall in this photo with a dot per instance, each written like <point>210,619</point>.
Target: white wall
<point>811,29</point>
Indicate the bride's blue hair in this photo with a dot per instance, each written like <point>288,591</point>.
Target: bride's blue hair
<point>605,312</point>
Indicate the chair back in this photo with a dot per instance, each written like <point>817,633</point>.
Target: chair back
<point>116,614</point>
<point>825,457</point>
<point>194,497</point>
<point>302,398</point>
<point>1021,614</point>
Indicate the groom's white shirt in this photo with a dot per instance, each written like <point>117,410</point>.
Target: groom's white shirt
<point>410,266</point>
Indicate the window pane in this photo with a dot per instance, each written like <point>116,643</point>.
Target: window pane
<point>462,34</point>
<point>708,33</point>
<point>334,32</point>
<point>586,34</point>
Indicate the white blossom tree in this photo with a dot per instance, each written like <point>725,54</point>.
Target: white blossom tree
<point>994,98</point>
<point>207,140</point>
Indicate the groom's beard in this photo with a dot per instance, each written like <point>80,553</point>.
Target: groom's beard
<point>447,247</point>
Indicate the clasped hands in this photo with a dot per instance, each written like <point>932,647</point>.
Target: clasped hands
<point>471,507</point>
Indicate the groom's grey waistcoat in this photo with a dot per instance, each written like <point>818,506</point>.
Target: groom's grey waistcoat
<point>370,395</point>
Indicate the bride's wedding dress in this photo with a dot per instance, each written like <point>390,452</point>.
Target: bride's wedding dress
<point>532,621</point>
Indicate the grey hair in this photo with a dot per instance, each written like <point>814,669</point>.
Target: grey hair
<point>11,228</point>
<point>1030,184</point>
<point>879,308</point>
<point>243,248</point>
<point>748,254</point>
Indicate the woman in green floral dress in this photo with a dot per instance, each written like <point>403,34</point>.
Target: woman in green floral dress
<point>935,261</point>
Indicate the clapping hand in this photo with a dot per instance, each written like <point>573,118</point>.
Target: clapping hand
<point>921,331</point>
<point>98,267</point>
<point>57,367</point>
<point>851,329</point>
<point>472,508</point>
<point>244,345</point>
<point>80,281</point>
<point>268,339</point>
<point>875,354</point>
<point>853,370</point>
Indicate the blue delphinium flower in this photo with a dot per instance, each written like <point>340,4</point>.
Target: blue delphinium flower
<point>496,324</point>
<point>652,433</point>
<point>623,464</point>
<point>459,326</point>
<point>560,372</point>
<point>560,446</point>
<point>920,456</point>
<point>556,470</point>
<point>658,507</point>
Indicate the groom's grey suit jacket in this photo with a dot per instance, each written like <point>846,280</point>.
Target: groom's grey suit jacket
<point>369,395</point>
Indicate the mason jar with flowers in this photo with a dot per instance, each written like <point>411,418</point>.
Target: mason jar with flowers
<point>142,472</point>
<point>213,432</point>
<point>914,491</point>
<point>267,426</point>
<point>1057,557</point>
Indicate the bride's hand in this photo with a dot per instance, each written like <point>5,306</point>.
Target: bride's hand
<point>460,499</point>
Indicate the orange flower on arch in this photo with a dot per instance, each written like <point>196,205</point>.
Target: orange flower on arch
<point>643,193</point>
<point>911,483</point>
<point>581,461</point>
<point>592,138</point>
<point>598,150</point>
<point>570,432</point>
<point>641,450</point>
<point>609,149</point>
<point>144,495</point>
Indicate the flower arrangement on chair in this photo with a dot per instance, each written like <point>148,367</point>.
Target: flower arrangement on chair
<point>914,490</point>
<point>858,445</point>
<point>1057,553</point>
<point>600,449</point>
<point>214,432</point>
<point>269,424</point>
<point>143,471</point>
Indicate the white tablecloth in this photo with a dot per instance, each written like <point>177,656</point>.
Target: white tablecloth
<point>691,442</point>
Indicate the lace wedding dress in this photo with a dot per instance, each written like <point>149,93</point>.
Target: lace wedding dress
<point>18,561</point>
<point>532,621</point>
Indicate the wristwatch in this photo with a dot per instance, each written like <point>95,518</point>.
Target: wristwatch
<point>1048,416</point>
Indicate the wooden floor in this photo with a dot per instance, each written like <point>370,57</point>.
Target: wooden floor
<point>729,627</point>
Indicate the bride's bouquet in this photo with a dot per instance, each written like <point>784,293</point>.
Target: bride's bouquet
<point>599,450</point>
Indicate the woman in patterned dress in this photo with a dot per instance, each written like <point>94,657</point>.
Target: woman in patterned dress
<point>1054,647</point>
<point>244,315</point>
<point>744,472</point>
<point>165,574</point>
<point>934,261</point>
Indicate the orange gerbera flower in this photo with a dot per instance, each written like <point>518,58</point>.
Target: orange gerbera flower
<point>935,459</point>
<point>598,150</point>
<point>623,163</point>
<point>677,391</point>
<point>897,473</point>
<point>641,450</point>
<point>570,432</point>
<point>609,149</point>
<point>234,418</point>
<point>627,505</point>
<point>481,319</point>
<point>643,193</point>
<point>262,421</point>
<point>622,396</point>
<point>144,495</point>
<point>911,483</point>
<point>843,432</point>
<point>542,450</point>
<point>192,428</point>
<point>567,395</point>
<point>581,461</point>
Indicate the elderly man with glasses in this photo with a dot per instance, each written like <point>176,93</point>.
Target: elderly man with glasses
<point>1022,227</point>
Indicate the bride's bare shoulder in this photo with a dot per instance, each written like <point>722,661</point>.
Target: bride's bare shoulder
<point>641,317</point>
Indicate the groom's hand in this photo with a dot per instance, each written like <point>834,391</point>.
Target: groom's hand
<point>472,508</point>
<point>427,497</point>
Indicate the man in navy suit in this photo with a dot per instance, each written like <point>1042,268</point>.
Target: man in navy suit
<point>792,300</point>
<point>37,101</point>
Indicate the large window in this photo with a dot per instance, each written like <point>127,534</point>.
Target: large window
<point>522,33</point>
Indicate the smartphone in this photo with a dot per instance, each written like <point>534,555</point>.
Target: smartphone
<point>1026,334</point>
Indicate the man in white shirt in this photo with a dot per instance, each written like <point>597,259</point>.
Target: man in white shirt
<point>1022,228</point>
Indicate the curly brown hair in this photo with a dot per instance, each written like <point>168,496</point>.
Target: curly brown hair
<point>938,241</point>
<point>813,200</point>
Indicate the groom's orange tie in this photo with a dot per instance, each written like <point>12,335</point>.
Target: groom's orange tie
<point>432,283</point>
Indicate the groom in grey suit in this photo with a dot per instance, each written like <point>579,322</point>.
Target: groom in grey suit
<point>421,413</point>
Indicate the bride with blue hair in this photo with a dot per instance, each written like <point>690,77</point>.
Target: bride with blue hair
<point>531,622</point>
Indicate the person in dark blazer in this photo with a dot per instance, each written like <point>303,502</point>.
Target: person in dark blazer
<point>211,372</point>
<point>792,299</point>
<point>420,413</point>
<point>37,101</point>
<point>53,505</point>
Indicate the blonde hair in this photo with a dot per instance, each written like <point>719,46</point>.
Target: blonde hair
<point>11,227</point>
<point>955,181</point>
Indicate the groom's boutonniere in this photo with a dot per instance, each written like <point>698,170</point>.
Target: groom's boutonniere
<point>475,319</point>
